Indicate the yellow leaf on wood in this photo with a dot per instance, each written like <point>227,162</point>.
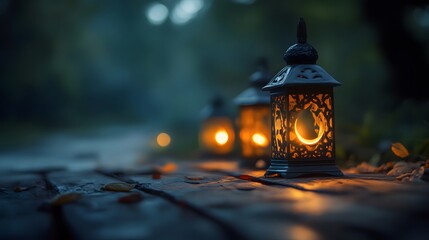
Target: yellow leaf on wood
<point>65,199</point>
<point>118,187</point>
<point>399,150</point>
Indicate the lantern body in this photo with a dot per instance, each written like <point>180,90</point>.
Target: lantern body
<point>255,135</point>
<point>254,120</point>
<point>217,135</point>
<point>302,115</point>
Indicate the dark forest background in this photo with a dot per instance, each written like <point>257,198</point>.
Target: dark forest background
<point>78,64</point>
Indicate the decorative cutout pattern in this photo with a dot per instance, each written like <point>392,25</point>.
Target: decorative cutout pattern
<point>321,107</point>
<point>279,127</point>
<point>285,110</point>
<point>308,73</point>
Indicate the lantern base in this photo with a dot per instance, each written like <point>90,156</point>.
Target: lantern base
<point>303,168</point>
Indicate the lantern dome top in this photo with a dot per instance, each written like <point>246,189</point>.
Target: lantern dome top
<point>254,94</point>
<point>301,52</point>
<point>262,76</point>
<point>301,69</point>
<point>216,108</point>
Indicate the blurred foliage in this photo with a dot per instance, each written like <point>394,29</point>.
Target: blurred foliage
<point>90,62</point>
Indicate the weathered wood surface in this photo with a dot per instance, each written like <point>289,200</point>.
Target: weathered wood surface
<point>200,202</point>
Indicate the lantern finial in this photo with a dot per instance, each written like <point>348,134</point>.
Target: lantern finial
<point>302,31</point>
<point>301,52</point>
<point>261,77</point>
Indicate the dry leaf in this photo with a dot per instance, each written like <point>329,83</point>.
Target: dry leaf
<point>245,177</point>
<point>399,150</point>
<point>385,167</point>
<point>403,176</point>
<point>402,167</point>
<point>156,175</point>
<point>365,167</point>
<point>118,187</point>
<point>65,199</point>
<point>413,176</point>
<point>131,198</point>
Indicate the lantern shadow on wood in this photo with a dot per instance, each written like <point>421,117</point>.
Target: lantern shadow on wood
<point>302,115</point>
<point>254,120</point>
<point>217,131</point>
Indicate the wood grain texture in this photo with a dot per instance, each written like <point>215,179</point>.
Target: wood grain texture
<point>211,201</point>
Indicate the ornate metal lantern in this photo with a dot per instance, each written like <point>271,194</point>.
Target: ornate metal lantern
<point>217,131</point>
<point>254,120</point>
<point>302,114</point>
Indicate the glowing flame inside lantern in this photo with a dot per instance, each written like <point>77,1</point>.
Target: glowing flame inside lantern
<point>260,140</point>
<point>221,137</point>
<point>320,122</point>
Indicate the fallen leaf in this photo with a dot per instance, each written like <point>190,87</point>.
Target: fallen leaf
<point>245,177</point>
<point>414,176</point>
<point>385,167</point>
<point>399,150</point>
<point>156,175</point>
<point>131,198</point>
<point>403,176</point>
<point>194,178</point>
<point>402,167</point>
<point>365,167</point>
<point>65,199</point>
<point>118,187</point>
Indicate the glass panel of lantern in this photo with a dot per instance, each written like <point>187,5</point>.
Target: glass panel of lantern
<point>217,131</point>
<point>302,112</point>
<point>254,120</point>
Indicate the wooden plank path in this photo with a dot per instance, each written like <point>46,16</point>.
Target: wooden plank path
<point>210,200</point>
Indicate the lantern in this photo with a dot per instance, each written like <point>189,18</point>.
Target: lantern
<point>302,114</point>
<point>217,131</point>
<point>254,120</point>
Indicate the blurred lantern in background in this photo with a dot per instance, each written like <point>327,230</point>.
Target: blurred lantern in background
<point>302,113</point>
<point>254,119</point>
<point>217,131</point>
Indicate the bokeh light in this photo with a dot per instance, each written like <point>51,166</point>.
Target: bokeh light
<point>185,10</point>
<point>260,139</point>
<point>157,13</point>
<point>221,137</point>
<point>163,139</point>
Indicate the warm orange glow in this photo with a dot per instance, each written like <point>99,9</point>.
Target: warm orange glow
<point>302,232</point>
<point>221,137</point>
<point>217,135</point>
<point>260,139</point>
<point>319,121</point>
<point>163,139</point>
<point>309,141</point>
<point>255,131</point>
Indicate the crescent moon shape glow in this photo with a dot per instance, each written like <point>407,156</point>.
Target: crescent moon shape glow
<point>309,141</point>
